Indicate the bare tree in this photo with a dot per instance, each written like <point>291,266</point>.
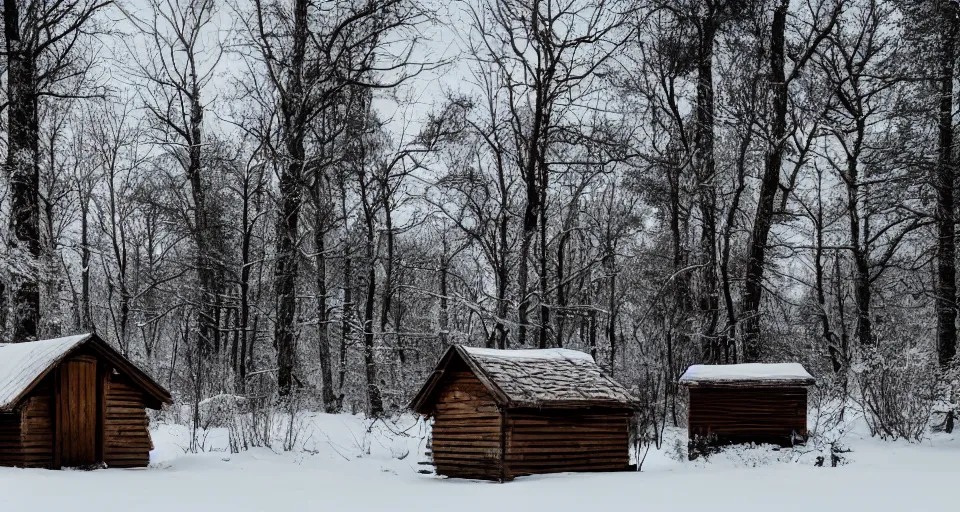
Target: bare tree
<point>311,54</point>
<point>824,14</point>
<point>484,192</point>
<point>41,37</point>
<point>547,54</point>
<point>117,147</point>
<point>175,70</point>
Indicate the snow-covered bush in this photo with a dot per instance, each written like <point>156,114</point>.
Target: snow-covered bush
<point>252,429</point>
<point>897,393</point>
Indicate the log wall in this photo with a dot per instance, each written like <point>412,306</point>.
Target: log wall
<point>554,441</point>
<point>466,440</point>
<point>10,447</point>
<point>726,415</point>
<point>26,434</point>
<point>126,432</point>
<point>37,427</point>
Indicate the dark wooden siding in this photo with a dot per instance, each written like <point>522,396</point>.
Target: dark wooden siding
<point>126,432</point>
<point>10,444</point>
<point>26,434</point>
<point>553,441</point>
<point>747,414</point>
<point>37,428</point>
<point>77,411</point>
<point>466,440</point>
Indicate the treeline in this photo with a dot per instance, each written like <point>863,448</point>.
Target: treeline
<point>315,198</point>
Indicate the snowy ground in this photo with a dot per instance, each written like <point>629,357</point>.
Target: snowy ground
<point>341,467</point>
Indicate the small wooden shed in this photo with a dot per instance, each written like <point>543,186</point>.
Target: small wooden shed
<point>500,414</point>
<point>747,403</point>
<point>74,402</point>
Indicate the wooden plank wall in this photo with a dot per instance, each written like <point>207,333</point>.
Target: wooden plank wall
<point>27,435</point>
<point>126,433</point>
<point>10,447</point>
<point>37,428</point>
<point>553,441</point>
<point>466,439</point>
<point>747,415</point>
<point>76,411</point>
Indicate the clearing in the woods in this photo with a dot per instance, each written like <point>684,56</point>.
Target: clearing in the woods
<point>340,467</point>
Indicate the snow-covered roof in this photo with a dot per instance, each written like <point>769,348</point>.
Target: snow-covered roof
<point>770,374</point>
<point>22,363</point>
<point>553,354</point>
<point>549,378</point>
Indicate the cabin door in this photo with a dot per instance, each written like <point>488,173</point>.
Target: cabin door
<point>77,412</point>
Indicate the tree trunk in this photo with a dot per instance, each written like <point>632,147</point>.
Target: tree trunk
<point>23,169</point>
<point>323,320</point>
<point>763,221</point>
<point>286,272</point>
<point>611,267</point>
<point>207,330</point>
<point>592,334</point>
<point>522,279</point>
<point>532,186</point>
<point>245,263</point>
<point>503,255</point>
<point>729,332</point>
<point>345,327</point>
<point>387,301</point>
<point>543,333</point>
<point>561,287</point>
<point>374,399</point>
<point>86,319</point>
<point>285,269</point>
<point>706,181</point>
<point>859,236</point>
<point>386,304</point>
<point>681,286</point>
<point>124,317</point>
<point>444,316</point>
<point>944,183</point>
<point>503,275</point>
<point>837,359</point>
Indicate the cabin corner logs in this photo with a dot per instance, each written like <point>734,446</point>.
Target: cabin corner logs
<point>74,402</point>
<point>745,403</point>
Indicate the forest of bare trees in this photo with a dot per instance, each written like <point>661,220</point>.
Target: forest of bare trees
<point>314,198</point>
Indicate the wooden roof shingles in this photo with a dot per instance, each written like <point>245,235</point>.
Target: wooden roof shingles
<point>550,378</point>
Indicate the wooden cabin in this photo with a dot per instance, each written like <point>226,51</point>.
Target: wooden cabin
<point>74,402</point>
<point>746,403</point>
<point>500,414</point>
